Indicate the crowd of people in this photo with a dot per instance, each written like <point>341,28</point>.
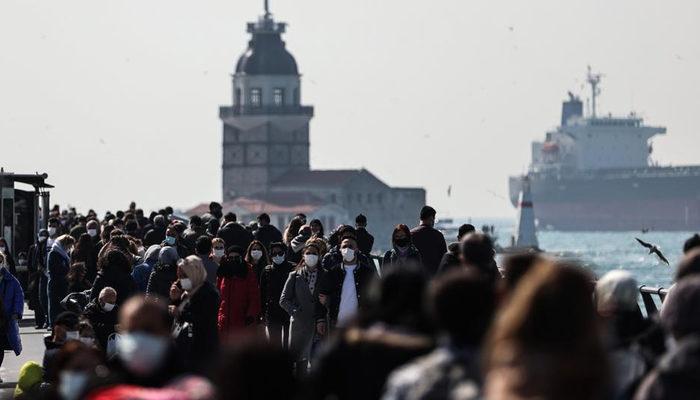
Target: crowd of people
<point>158,307</point>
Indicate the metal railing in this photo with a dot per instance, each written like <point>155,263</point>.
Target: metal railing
<point>232,111</point>
<point>652,297</point>
<point>649,294</point>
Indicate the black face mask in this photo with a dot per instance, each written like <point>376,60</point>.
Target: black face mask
<point>403,242</point>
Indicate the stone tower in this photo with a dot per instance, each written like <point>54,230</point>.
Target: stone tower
<point>266,130</point>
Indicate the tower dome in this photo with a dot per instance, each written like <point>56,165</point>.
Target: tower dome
<point>266,53</point>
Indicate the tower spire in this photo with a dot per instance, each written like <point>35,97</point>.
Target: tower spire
<point>267,8</point>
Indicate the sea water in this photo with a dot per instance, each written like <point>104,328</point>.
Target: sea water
<point>604,251</point>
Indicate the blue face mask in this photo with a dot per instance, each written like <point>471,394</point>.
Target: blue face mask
<point>170,240</point>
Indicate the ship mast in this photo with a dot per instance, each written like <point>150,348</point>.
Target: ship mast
<point>593,80</point>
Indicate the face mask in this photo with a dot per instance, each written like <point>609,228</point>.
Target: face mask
<point>141,352</point>
<point>218,253</point>
<point>403,242</point>
<point>170,240</point>
<point>71,384</point>
<point>3,248</point>
<point>42,239</point>
<point>348,254</point>
<point>72,335</point>
<point>92,232</point>
<point>88,341</point>
<point>108,307</point>
<point>52,231</point>
<point>256,254</point>
<point>186,283</point>
<point>310,260</point>
<point>278,259</point>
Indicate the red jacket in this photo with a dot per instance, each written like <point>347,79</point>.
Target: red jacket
<point>240,300</point>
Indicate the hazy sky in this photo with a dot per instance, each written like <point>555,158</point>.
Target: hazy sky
<point>118,100</point>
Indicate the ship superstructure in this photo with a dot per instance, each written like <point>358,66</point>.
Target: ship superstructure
<point>596,173</point>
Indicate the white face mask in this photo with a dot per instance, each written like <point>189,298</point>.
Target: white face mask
<point>88,341</point>
<point>42,239</point>
<point>348,254</point>
<point>310,260</point>
<point>108,307</point>
<point>71,384</point>
<point>72,335</point>
<point>278,259</point>
<point>92,232</point>
<point>219,253</point>
<point>52,231</point>
<point>186,283</point>
<point>256,254</point>
<point>141,352</point>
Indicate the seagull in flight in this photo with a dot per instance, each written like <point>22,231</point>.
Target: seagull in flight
<point>653,249</point>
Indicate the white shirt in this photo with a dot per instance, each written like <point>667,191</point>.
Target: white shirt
<point>348,297</point>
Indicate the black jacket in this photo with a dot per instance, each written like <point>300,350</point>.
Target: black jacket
<point>154,236</point>
<point>119,280</point>
<point>102,322</point>
<point>191,235</point>
<point>365,241</point>
<point>392,257</point>
<point>235,234</point>
<point>200,311</point>
<point>331,285</point>
<point>431,245</point>
<point>450,259</point>
<point>272,282</point>
<point>268,234</point>
<point>162,277</point>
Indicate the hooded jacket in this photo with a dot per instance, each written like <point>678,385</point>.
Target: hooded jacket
<point>240,296</point>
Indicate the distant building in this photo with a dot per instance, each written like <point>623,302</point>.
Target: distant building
<point>266,150</point>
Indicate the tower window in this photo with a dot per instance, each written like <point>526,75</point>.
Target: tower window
<point>237,97</point>
<point>278,97</point>
<point>297,100</point>
<point>256,97</point>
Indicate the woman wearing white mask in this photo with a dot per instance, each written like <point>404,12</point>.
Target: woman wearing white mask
<point>218,250</point>
<point>58,265</point>
<point>13,306</point>
<point>256,257</point>
<point>195,311</point>
<point>300,300</point>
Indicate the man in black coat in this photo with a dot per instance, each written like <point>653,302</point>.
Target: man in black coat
<point>194,231</point>
<point>36,264</point>
<point>272,281</point>
<point>103,313</point>
<point>428,240</point>
<point>365,241</point>
<point>267,233</point>
<point>342,289</point>
<point>451,258</point>
<point>233,233</point>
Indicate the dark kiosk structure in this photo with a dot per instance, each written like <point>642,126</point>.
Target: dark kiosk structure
<point>23,211</point>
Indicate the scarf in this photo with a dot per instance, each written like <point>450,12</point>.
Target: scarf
<point>60,250</point>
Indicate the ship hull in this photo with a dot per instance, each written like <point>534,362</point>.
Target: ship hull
<point>616,200</point>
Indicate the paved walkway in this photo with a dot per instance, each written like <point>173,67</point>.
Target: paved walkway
<point>32,350</point>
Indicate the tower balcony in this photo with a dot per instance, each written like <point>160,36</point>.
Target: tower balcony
<point>235,111</point>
